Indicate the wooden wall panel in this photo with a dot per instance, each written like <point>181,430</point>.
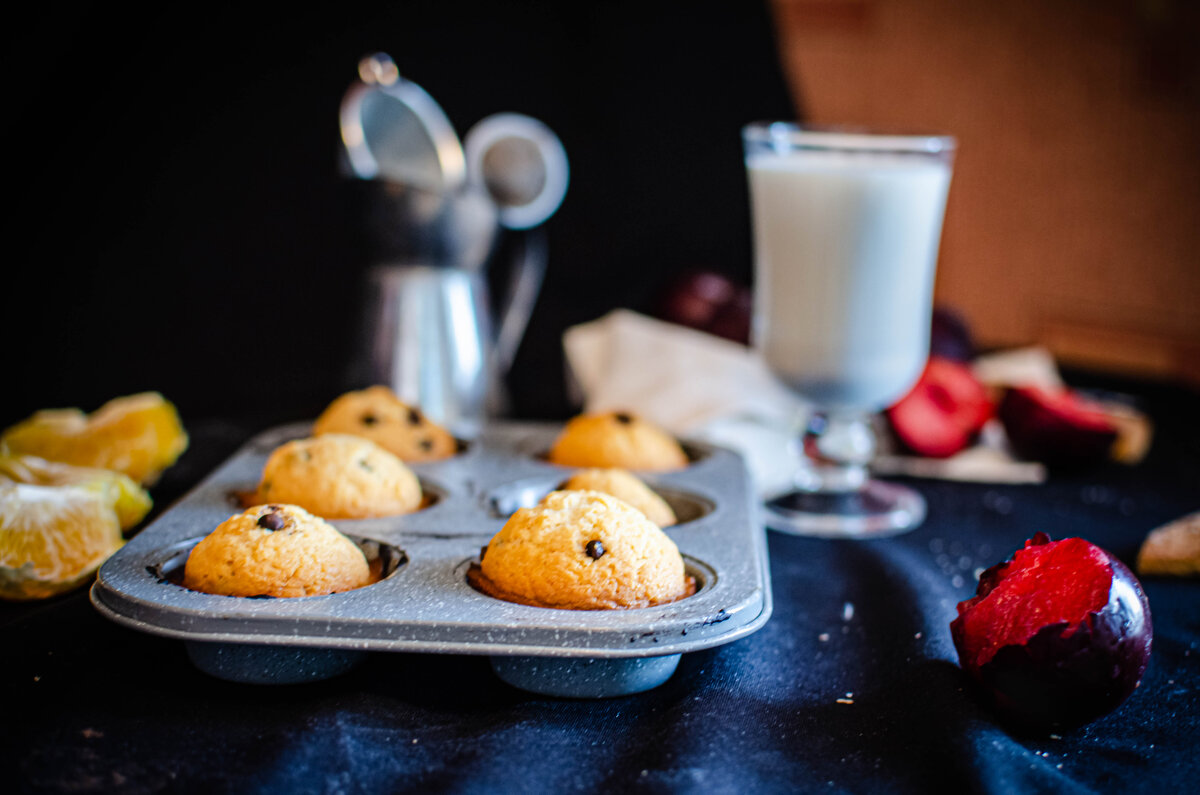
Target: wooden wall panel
<point>1074,215</point>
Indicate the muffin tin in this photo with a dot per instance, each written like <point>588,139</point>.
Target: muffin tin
<point>422,603</point>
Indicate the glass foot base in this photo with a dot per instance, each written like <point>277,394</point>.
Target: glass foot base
<point>878,509</point>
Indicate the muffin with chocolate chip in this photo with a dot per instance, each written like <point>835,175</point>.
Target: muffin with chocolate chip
<point>624,486</point>
<point>616,439</point>
<point>582,550</point>
<point>338,476</point>
<point>377,414</point>
<point>275,550</point>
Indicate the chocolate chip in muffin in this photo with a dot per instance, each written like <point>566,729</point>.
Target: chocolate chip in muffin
<point>414,417</point>
<point>369,419</point>
<point>425,444</point>
<point>595,549</point>
<point>272,521</point>
<point>623,418</point>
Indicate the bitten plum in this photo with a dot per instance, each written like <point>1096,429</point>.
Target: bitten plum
<point>1057,636</point>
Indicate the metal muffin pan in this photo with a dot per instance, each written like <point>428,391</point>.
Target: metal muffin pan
<point>423,602</point>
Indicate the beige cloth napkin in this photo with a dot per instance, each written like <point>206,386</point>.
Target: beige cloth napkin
<point>700,386</point>
<point>673,376</point>
<point>692,384</point>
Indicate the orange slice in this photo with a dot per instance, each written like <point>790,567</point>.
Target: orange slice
<point>128,499</point>
<point>52,538</point>
<point>139,435</point>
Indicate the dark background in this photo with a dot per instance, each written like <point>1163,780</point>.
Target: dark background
<point>181,223</point>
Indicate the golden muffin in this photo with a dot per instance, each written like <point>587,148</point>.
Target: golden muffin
<point>624,486</point>
<point>582,550</point>
<point>616,439</point>
<point>377,414</point>
<point>339,477</point>
<point>275,550</point>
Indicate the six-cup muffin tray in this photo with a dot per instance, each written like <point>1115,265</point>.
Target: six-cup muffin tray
<point>423,603</point>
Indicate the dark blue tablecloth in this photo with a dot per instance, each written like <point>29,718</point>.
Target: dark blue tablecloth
<point>92,707</point>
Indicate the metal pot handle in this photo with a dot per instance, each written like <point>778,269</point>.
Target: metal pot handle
<point>524,283</point>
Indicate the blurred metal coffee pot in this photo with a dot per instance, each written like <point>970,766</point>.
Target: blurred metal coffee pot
<point>435,210</point>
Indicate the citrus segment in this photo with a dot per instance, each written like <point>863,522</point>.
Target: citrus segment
<point>139,435</point>
<point>52,538</point>
<point>128,499</point>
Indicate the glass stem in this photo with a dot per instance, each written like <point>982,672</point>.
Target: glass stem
<point>835,448</point>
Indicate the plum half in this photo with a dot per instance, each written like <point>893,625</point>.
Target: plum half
<point>1059,428</point>
<point>943,412</point>
<point>1057,636</point>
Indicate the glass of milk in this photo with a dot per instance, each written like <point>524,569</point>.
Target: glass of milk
<point>846,232</point>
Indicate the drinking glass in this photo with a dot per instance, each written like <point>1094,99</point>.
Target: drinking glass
<point>846,232</point>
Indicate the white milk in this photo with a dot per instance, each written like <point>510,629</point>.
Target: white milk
<point>845,249</point>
